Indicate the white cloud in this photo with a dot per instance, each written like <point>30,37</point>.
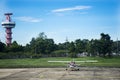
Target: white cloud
<point>71,9</point>
<point>28,19</point>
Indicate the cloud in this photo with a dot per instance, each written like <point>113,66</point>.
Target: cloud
<point>28,19</point>
<point>71,9</point>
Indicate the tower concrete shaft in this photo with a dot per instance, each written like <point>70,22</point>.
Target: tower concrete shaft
<point>8,24</point>
<point>8,36</point>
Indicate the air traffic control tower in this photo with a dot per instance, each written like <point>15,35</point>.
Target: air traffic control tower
<point>8,25</point>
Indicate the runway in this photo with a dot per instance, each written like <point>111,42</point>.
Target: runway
<point>85,73</point>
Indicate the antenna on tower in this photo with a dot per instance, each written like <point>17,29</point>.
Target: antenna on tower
<point>66,39</point>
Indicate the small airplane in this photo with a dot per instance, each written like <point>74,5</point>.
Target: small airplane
<point>72,66</point>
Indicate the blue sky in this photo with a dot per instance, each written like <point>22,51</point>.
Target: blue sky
<point>58,19</point>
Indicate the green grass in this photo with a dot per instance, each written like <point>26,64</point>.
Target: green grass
<point>43,62</point>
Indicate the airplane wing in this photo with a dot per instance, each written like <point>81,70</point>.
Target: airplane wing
<point>86,61</point>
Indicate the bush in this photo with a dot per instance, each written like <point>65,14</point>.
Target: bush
<point>15,55</point>
<point>73,55</point>
<point>59,53</point>
<point>36,56</point>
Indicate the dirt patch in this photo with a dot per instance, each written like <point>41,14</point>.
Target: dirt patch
<point>60,74</point>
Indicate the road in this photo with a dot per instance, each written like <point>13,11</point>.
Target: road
<point>85,73</point>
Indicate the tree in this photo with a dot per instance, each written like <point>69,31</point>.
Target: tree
<point>15,47</point>
<point>72,50</point>
<point>105,45</point>
<point>49,44</point>
<point>116,47</point>
<point>42,45</point>
<point>93,47</point>
<point>81,45</point>
<point>37,45</point>
<point>42,35</point>
<point>2,47</point>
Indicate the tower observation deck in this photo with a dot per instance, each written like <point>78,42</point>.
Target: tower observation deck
<point>8,24</point>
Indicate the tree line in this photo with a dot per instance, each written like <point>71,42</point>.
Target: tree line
<point>42,46</point>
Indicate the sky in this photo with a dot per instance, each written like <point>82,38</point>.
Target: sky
<point>61,19</point>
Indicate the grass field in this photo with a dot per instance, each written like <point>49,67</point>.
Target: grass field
<point>43,62</point>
